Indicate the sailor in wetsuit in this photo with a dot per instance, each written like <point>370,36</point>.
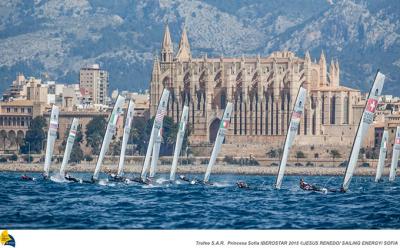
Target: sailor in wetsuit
<point>69,178</point>
<point>242,185</point>
<point>307,186</point>
<point>27,178</point>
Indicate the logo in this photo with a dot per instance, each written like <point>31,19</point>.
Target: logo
<point>6,239</point>
<point>224,124</point>
<point>371,105</point>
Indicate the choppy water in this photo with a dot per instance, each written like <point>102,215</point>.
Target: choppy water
<point>49,205</point>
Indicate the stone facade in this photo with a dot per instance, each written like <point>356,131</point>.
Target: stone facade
<point>15,119</point>
<point>263,91</point>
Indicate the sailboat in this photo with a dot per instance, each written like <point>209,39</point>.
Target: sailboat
<point>395,156</point>
<point>223,128</point>
<point>111,128</point>
<point>382,156</point>
<point>366,120</point>
<point>298,110</point>
<point>51,138</point>
<point>156,153</point>
<point>127,131</point>
<point>179,141</point>
<point>68,146</point>
<point>158,121</point>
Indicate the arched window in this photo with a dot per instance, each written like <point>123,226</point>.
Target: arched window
<point>333,110</point>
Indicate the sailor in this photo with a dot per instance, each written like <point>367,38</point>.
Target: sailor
<point>184,178</point>
<point>27,178</point>
<point>307,186</point>
<point>242,185</point>
<point>69,178</point>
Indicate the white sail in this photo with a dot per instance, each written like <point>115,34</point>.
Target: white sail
<point>69,145</point>
<point>156,153</point>
<point>179,141</point>
<point>158,120</point>
<point>395,156</point>
<point>382,156</point>
<point>51,138</point>
<point>125,138</point>
<point>223,128</point>
<point>111,127</point>
<point>366,120</point>
<point>298,110</point>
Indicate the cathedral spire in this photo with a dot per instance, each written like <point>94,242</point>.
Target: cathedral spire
<point>167,46</point>
<point>337,69</point>
<point>184,47</point>
<point>156,67</point>
<point>322,60</point>
<point>332,73</point>
<point>322,65</point>
<point>307,57</point>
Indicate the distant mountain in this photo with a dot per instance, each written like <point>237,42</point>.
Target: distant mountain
<point>57,37</point>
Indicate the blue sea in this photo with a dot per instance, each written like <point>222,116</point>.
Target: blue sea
<point>43,204</point>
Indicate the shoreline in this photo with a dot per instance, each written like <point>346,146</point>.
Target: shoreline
<point>199,169</point>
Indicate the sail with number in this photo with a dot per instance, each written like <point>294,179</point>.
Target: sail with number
<point>127,131</point>
<point>395,155</point>
<point>158,120</point>
<point>69,145</point>
<point>366,120</point>
<point>179,141</point>
<point>223,128</point>
<point>110,131</point>
<point>51,138</point>
<point>298,110</point>
<point>156,153</point>
<point>382,156</point>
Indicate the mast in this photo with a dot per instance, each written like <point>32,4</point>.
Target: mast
<point>51,138</point>
<point>127,131</point>
<point>69,145</point>
<point>111,128</point>
<point>395,156</point>
<point>382,156</point>
<point>158,120</point>
<point>156,153</point>
<point>298,110</point>
<point>179,141</point>
<point>366,120</point>
<point>223,128</point>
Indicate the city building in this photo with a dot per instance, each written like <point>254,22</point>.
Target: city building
<point>94,83</point>
<point>263,91</point>
<point>15,119</point>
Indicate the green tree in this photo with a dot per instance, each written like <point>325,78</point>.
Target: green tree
<point>335,154</point>
<point>272,153</point>
<point>300,154</point>
<point>95,131</point>
<point>34,136</point>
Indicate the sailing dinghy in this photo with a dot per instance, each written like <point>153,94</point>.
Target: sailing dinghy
<point>110,131</point>
<point>68,149</point>
<point>51,138</point>
<point>179,141</point>
<point>298,110</point>
<point>366,120</point>
<point>395,156</point>
<point>382,156</point>
<point>125,138</point>
<point>158,121</point>
<point>223,129</point>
